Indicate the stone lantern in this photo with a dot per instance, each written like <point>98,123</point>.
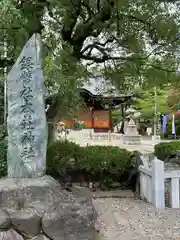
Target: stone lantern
<point>131,136</point>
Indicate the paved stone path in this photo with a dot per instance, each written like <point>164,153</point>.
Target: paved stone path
<point>82,138</point>
<point>130,218</point>
<point>133,219</point>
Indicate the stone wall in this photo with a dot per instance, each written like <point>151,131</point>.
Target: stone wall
<point>67,217</point>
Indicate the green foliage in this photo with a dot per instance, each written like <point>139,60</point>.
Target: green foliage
<point>1,102</point>
<point>173,98</point>
<point>12,28</point>
<point>60,156</point>
<point>3,134</point>
<point>144,35</point>
<point>165,149</point>
<point>116,117</point>
<point>146,104</point>
<point>3,151</point>
<point>104,164</point>
<point>78,125</point>
<point>62,84</point>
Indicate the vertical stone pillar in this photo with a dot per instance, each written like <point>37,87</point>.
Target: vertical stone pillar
<point>26,123</point>
<point>158,198</point>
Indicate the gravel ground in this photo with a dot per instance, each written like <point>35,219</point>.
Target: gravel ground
<point>133,219</point>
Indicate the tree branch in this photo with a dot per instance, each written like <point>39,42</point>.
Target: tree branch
<point>110,40</point>
<point>89,11</point>
<point>50,49</point>
<point>106,58</point>
<point>144,22</point>
<point>162,69</point>
<point>72,15</point>
<point>87,28</point>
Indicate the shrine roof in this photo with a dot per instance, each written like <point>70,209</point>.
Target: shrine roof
<point>100,87</point>
<point>94,91</point>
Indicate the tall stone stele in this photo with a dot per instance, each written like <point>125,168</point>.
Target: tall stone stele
<point>26,123</point>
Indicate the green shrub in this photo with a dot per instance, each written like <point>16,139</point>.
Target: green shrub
<point>3,158</point>
<point>165,149</point>
<point>78,125</point>
<point>3,152</point>
<point>102,164</point>
<point>61,157</point>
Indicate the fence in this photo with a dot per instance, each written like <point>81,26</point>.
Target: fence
<point>106,136</point>
<point>152,184</point>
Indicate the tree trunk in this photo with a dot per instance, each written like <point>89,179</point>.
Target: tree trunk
<point>122,113</point>
<point>52,119</point>
<point>122,127</point>
<point>51,132</point>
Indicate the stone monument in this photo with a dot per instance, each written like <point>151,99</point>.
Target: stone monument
<point>131,136</point>
<point>26,123</point>
<point>32,205</point>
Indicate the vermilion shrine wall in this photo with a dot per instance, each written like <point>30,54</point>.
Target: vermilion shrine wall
<point>98,119</point>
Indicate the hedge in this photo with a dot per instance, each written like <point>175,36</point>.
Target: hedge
<point>104,164</point>
<point>164,150</point>
<point>68,162</point>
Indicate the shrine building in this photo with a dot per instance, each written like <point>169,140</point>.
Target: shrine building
<point>100,98</point>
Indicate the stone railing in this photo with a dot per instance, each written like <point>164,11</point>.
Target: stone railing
<point>153,181</point>
<point>173,194</point>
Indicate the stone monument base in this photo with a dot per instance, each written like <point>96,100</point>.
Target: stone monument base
<point>38,209</point>
<point>132,139</point>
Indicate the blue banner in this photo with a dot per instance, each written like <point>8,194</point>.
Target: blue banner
<point>165,119</point>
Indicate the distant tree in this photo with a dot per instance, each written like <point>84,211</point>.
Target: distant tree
<point>1,103</point>
<point>146,104</point>
<point>173,98</point>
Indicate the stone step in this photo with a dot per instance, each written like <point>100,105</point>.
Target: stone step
<point>114,194</point>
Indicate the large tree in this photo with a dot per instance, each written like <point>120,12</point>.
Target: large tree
<point>130,42</point>
<point>96,30</point>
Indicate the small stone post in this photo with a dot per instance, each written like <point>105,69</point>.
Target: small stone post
<point>109,135</point>
<point>158,199</point>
